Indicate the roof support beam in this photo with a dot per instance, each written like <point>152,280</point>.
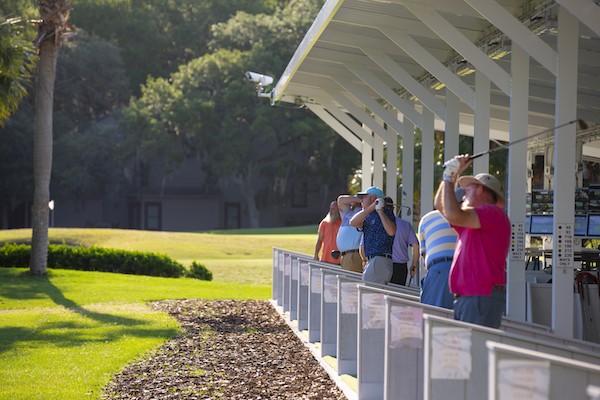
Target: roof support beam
<point>408,169</point>
<point>388,94</point>
<point>326,101</point>
<point>517,180</point>
<point>359,114</point>
<point>407,81</point>
<point>391,161</point>
<point>336,125</point>
<point>348,122</point>
<point>430,63</point>
<point>372,105</point>
<point>444,29</point>
<point>427,161</point>
<point>517,32</point>
<point>564,173</point>
<point>451,130</point>
<point>367,162</point>
<point>481,129</point>
<point>586,11</point>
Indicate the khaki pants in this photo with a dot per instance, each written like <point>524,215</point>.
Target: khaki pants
<point>352,262</point>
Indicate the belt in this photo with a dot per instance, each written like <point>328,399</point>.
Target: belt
<point>379,255</point>
<point>349,251</point>
<point>439,260</point>
<point>500,288</point>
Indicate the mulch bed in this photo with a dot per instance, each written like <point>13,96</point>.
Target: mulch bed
<point>228,350</point>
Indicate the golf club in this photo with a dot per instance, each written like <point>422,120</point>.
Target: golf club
<point>581,125</point>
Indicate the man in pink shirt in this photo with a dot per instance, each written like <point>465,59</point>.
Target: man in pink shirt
<point>478,274</point>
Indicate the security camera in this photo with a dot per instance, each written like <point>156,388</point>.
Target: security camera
<point>259,79</point>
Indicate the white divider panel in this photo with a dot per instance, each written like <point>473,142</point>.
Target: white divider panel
<point>275,273</point>
<point>456,364</point>
<point>371,337</point>
<point>404,354</point>
<point>287,274</point>
<point>280,278</point>
<point>314,303</point>
<point>517,373</point>
<point>329,304</point>
<point>347,325</point>
<point>371,331</point>
<point>294,282</point>
<point>303,293</point>
<point>586,323</point>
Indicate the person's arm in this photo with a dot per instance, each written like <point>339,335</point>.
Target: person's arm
<point>415,258</point>
<point>363,257</point>
<point>346,202</point>
<point>318,245</point>
<point>388,224</point>
<point>450,208</point>
<point>358,218</point>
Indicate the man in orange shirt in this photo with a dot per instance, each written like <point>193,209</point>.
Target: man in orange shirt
<point>328,230</point>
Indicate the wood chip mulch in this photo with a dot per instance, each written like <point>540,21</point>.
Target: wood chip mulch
<point>228,350</point>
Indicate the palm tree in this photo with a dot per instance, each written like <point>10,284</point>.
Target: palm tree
<point>53,28</point>
<point>17,60</point>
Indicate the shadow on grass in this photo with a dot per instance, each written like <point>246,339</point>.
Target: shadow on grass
<point>95,327</point>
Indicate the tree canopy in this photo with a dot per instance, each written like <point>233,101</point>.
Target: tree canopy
<point>208,111</point>
<point>17,61</point>
<point>184,61</point>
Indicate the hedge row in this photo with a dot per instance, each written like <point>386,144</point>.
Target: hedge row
<point>104,260</point>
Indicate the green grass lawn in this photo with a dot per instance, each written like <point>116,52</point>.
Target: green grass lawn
<point>232,256</point>
<point>63,336</point>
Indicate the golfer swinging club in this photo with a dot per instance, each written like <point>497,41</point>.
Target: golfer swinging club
<point>478,275</point>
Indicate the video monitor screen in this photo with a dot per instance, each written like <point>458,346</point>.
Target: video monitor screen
<point>594,192</point>
<point>593,225</point>
<point>594,198</point>
<point>580,225</point>
<point>541,224</point>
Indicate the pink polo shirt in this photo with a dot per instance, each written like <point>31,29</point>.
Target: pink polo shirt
<point>480,255</point>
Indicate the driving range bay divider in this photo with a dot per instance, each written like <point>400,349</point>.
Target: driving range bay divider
<point>466,376</point>
<point>520,373</point>
<point>382,335</point>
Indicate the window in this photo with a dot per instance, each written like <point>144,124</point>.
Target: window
<point>153,217</point>
<point>233,218</point>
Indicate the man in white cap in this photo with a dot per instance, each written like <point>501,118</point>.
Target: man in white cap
<point>478,274</point>
<point>379,227</point>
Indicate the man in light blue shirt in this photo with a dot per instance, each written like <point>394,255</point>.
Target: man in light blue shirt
<point>349,238</point>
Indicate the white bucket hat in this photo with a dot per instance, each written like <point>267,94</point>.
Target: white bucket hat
<point>487,180</point>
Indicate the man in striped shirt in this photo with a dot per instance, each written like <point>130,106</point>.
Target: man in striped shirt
<point>437,241</point>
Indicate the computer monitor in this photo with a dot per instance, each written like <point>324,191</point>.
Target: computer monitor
<point>527,223</point>
<point>594,198</point>
<point>580,225</point>
<point>541,224</point>
<point>593,225</point>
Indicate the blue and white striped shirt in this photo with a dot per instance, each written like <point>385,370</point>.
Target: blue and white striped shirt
<point>437,238</point>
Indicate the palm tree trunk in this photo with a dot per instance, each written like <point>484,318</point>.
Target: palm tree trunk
<point>42,155</point>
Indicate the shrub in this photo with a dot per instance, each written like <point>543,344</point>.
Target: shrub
<point>199,271</point>
<point>101,259</point>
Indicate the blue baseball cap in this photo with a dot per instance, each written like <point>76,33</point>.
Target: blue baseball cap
<point>372,190</point>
